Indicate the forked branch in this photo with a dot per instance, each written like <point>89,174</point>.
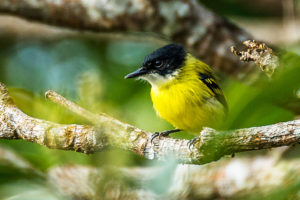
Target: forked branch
<point>211,145</point>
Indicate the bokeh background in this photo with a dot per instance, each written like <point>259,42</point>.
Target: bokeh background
<point>89,69</point>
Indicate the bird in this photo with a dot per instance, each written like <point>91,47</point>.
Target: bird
<point>184,90</point>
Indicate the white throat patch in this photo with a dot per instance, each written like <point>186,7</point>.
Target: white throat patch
<point>156,80</point>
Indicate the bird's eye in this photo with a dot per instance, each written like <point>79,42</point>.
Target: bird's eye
<point>158,63</point>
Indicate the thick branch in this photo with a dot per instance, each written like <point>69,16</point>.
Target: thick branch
<point>209,146</point>
<point>182,21</point>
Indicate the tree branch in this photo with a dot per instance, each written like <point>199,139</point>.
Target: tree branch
<point>261,175</point>
<point>186,22</point>
<point>211,145</point>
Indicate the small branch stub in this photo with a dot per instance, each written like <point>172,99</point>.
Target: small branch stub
<point>260,53</point>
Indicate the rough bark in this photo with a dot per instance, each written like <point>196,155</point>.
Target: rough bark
<point>211,145</point>
<point>183,21</point>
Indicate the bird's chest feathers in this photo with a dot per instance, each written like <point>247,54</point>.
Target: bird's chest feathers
<point>173,100</point>
<point>166,101</point>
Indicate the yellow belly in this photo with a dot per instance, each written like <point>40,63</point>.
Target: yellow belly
<point>186,106</point>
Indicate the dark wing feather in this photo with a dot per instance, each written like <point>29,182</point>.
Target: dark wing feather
<point>209,80</point>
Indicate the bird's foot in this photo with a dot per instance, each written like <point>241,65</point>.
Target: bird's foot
<point>164,134</point>
<point>158,134</point>
<point>191,142</point>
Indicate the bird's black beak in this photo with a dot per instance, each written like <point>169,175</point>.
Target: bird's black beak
<point>137,73</point>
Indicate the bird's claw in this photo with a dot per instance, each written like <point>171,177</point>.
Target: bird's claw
<point>154,135</point>
<point>159,134</point>
<point>164,134</point>
<point>191,142</point>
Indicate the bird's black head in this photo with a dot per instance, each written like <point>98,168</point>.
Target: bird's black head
<point>162,61</point>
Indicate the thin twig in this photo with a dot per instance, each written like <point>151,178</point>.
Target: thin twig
<point>58,99</point>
